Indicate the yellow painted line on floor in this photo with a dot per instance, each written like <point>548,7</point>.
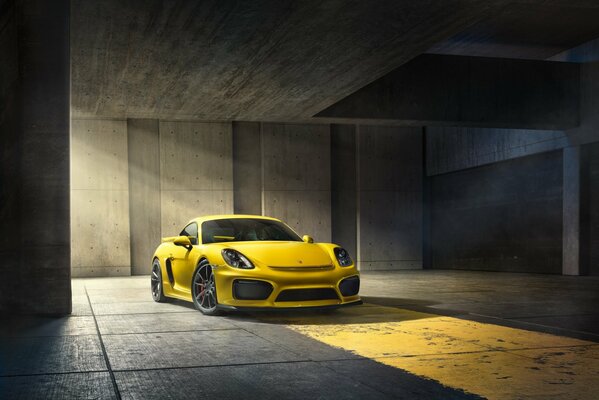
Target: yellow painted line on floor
<point>489,360</point>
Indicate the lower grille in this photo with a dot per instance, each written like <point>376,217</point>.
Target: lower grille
<point>251,290</point>
<point>307,294</point>
<point>350,286</point>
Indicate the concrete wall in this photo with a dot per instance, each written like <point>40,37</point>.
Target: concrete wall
<point>505,216</point>
<point>296,177</point>
<point>99,198</point>
<point>135,181</point>
<point>390,177</point>
<point>138,180</point>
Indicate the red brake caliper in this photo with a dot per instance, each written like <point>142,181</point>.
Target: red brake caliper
<point>202,292</point>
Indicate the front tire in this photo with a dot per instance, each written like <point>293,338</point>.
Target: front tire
<point>156,283</point>
<point>203,289</point>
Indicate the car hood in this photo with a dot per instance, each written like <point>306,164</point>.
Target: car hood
<point>282,254</point>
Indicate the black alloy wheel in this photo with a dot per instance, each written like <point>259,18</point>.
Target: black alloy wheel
<point>156,285</point>
<point>203,289</point>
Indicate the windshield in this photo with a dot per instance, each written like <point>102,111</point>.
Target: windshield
<point>246,229</point>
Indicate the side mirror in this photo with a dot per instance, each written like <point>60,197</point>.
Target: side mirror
<point>308,239</point>
<point>183,241</point>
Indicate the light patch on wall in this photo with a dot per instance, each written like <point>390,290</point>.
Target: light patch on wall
<point>99,198</point>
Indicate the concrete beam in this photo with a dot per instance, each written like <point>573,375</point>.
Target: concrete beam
<point>469,91</point>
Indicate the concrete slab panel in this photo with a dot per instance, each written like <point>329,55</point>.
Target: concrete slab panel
<point>297,343</point>
<point>296,157</point>
<point>41,355</point>
<point>81,309</point>
<point>391,158</point>
<point>307,212</point>
<point>46,326</point>
<point>143,307</point>
<point>100,229</point>
<point>394,382</point>
<point>99,271</point>
<point>152,323</point>
<point>89,385</point>
<point>113,283</point>
<point>129,295</point>
<point>179,206</point>
<point>391,226</point>
<point>302,380</point>
<point>99,155</point>
<point>196,156</point>
<point>189,349</point>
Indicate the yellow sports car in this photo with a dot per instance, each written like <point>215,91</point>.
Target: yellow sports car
<point>230,262</point>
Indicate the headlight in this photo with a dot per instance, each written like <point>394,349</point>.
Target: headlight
<point>236,260</point>
<point>343,257</point>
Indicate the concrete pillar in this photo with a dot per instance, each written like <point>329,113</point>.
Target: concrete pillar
<point>44,286</point>
<point>343,187</point>
<point>10,151</point>
<point>389,197</point>
<point>144,192</point>
<point>576,219</point>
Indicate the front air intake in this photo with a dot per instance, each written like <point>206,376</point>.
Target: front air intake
<point>251,289</point>
<point>307,294</point>
<point>350,286</point>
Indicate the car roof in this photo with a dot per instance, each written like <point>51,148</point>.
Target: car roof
<point>204,218</point>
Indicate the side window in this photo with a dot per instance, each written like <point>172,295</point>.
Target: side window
<point>191,231</point>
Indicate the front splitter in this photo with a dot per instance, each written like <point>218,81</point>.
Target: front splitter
<point>252,309</point>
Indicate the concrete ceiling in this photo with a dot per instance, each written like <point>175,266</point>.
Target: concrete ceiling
<point>531,30</point>
<point>246,60</point>
<point>288,60</point>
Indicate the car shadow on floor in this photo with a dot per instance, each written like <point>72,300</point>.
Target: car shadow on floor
<point>369,312</point>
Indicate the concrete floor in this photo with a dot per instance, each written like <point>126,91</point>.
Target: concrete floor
<point>420,334</point>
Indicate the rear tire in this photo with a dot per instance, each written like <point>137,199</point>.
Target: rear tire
<point>203,289</point>
<point>156,283</point>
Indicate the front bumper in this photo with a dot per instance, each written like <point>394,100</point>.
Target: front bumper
<point>282,283</point>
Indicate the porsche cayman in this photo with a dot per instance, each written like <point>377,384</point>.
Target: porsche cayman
<point>234,262</point>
